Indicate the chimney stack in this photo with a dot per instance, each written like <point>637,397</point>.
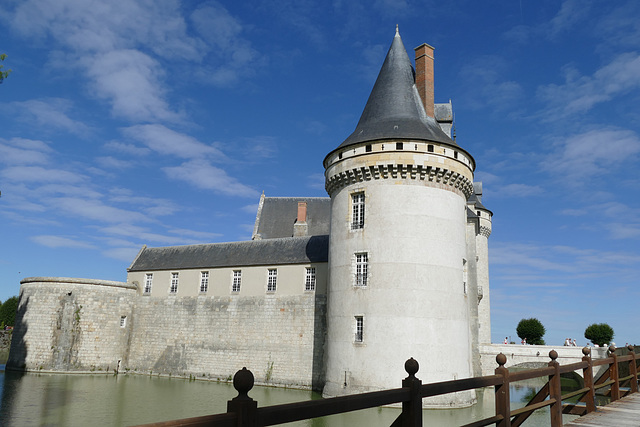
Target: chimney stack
<point>300,226</point>
<point>424,77</point>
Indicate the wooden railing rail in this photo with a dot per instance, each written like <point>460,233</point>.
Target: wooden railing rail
<point>243,411</point>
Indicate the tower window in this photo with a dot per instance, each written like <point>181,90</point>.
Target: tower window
<point>362,269</point>
<point>271,281</point>
<point>357,210</point>
<point>339,155</point>
<point>148,281</point>
<point>455,154</point>
<point>368,148</point>
<point>174,283</point>
<point>359,335</point>
<point>123,321</point>
<point>430,148</point>
<point>399,145</point>
<point>310,279</point>
<point>237,281</point>
<point>204,281</point>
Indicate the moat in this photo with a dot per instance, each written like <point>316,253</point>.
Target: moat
<point>106,400</point>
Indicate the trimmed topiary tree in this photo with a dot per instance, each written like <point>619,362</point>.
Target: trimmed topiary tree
<point>599,333</point>
<point>531,330</point>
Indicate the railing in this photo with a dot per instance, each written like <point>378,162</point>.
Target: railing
<point>243,411</point>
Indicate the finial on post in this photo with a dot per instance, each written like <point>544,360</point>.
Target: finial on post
<point>243,382</point>
<point>586,351</point>
<point>553,355</point>
<point>411,366</point>
<point>501,360</point>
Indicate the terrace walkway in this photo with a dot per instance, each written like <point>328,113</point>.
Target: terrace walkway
<point>621,413</point>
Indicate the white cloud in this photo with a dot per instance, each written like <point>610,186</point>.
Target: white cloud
<point>580,93</point>
<point>202,174</point>
<point>151,206</point>
<point>40,174</point>
<point>592,153</point>
<point>165,141</point>
<point>49,113</point>
<point>122,254</point>
<point>486,85</point>
<point>143,234</point>
<point>130,80</point>
<point>51,241</point>
<point>516,190</point>
<point>18,151</point>
<point>129,149</point>
<point>95,210</point>
<point>109,162</point>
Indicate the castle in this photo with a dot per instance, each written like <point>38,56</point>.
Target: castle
<point>331,293</point>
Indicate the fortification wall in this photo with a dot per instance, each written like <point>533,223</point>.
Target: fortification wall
<point>68,324</point>
<point>279,338</point>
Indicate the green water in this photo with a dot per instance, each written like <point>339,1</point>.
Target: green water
<point>107,400</point>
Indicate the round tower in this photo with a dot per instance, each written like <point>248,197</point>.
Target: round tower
<point>398,186</point>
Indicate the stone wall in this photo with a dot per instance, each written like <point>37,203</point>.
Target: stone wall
<point>279,338</point>
<point>65,324</point>
<point>71,325</point>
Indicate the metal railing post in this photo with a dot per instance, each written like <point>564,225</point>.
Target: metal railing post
<point>613,374</point>
<point>587,373</point>
<point>242,405</point>
<point>503,401</point>
<point>412,409</point>
<point>633,369</point>
<point>555,391</point>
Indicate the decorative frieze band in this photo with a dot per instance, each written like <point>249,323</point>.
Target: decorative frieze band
<point>438,175</point>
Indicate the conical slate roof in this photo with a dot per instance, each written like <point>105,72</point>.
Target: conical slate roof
<point>394,108</point>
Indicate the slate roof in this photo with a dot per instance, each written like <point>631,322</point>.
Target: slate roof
<point>291,250</point>
<point>394,108</point>
<point>277,215</point>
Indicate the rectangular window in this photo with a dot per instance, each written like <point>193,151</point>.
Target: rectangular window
<point>123,321</point>
<point>148,281</point>
<point>273,277</point>
<point>359,329</point>
<point>310,281</point>
<point>399,145</point>
<point>357,210</point>
<point>174,283</point>
<point>367,148</point>
<point>204,281</point>
<point>237,280</point>
<point>430,148</point>
<point>362,267</point>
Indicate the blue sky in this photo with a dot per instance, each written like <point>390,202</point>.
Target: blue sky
<point>160,123</point>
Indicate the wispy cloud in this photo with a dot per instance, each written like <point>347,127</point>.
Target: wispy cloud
<point>592,153</point>
<point>486,85</point>
<point>165,141</point>
<point>516,190</point>
<point>130,81</point>
<point>20,151</point>
<point>52,241</point>
<point>581,93</point>
<point>204,175</point>
<point>49,114</point>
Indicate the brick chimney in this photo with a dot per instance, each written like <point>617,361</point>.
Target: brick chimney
<point>300,226</point>
<point>424,77</point>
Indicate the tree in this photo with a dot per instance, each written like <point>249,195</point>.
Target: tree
<point>3,74</point>
<point>8,311</point>
<point>531,330</point>
<point>599,333</point>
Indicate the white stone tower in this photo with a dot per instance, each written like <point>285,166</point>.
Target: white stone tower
<point>399,187</point>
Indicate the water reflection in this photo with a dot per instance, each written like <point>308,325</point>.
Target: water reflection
<point>105,400</point>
